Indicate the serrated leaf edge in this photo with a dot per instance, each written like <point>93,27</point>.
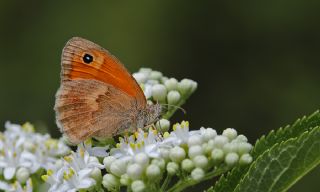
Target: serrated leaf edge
<point>272,148</point>
<point>264,138</point>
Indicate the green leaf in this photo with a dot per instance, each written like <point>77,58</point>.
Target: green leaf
<point>283,134</point>
<point>280,167</point>
<point>230,181</point>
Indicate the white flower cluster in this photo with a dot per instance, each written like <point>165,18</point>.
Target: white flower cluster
<point>24,152</point>
<point>159,88</point>
<point>147,161</point>
<point>75,172</point>
<point>143,160</point>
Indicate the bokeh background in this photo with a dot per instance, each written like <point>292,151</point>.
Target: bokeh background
<point>257,63</point>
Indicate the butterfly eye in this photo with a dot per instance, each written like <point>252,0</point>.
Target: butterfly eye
<point>87,58</point>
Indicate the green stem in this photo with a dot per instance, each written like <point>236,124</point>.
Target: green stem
<point>172,110</point>
<point>182,184</point>
<point>153,186</point>
<point>166,182</point>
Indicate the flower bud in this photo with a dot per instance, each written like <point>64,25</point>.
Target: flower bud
<point>230,147</point>
<point>244,148</point>
<point>219,141</point>
<point>155,75</point>
<point>200,161</point>
<point>147,90</point>
<point>195,150</point>
<point>107,161</point>
<point>207,148</point>
<point>110,182</point>
<point>173,97</point>
<point>241,138</point>
<point>138,186</point>
<point>96,174</point>
<point>172,168</point>
<point>204,146</point>
<point>171,84</point>
<point>22,174</point>
<point>197,174</point>
<point>165,153</point>
<point>177,154</point>
<point>163,125</point>
<point>125,179</point>
<point>142,159</point>
<point>159,92</point>
<point>28,127</point>
<point>140,77</point>
<point>163,79</point>
<point>153,171</point>
<point>211,143</point>
<point>217,155</point>
<point>194,86</point>
<point>118,167</point>
<point>230,133</point>
<point>194,140</point>
<point>209,134</point>
<point>152,82</point>
<point>245,159</point>
<point>161,163</point>
<point>134,171</point>
<point>187,165</point>
<point>186,86</point>
<point>231,159</point>
<point>145,71</point>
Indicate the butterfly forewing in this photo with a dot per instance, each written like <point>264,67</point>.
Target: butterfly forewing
<point>97,97</point>
<point>104,67</point>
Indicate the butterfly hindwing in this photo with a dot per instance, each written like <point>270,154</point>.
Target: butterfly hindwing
<point>86,108</point>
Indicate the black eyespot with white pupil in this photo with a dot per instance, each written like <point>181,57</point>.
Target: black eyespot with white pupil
<point>87,58</point>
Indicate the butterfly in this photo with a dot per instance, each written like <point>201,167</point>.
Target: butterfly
<point>98,97</point>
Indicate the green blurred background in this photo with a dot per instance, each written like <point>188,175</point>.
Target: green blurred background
<point>257,63</point>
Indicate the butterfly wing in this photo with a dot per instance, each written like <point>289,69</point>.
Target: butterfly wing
<point>104,67</point>
<point>86,108</point>
<point>97,97</point>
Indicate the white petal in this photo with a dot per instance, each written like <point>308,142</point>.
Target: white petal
<point>12,127</point>
<point>9,172</point>
<point>86,183</point>
<point>3,164</point>
<point>5,186</point>
<point>29,186</point>
<point>25,164</point>
<point>65,187</point>
<point>28,155</point>
<point>84,173</point>
<point>154,154</point>
<point>98,151</point>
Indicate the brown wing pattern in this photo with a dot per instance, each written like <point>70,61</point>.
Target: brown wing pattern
<point>86,108</point>
<point>105,68</point>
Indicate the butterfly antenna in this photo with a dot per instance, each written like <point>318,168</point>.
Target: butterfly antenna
<point>169,105</point>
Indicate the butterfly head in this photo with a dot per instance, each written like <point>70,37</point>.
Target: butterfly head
<point>149,115</point>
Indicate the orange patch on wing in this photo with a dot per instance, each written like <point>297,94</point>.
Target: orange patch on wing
<point>104,67</point>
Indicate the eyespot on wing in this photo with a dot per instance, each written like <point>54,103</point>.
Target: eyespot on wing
<point>83,59</point>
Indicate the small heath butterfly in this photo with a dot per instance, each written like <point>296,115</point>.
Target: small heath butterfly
<point>98,97</point>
